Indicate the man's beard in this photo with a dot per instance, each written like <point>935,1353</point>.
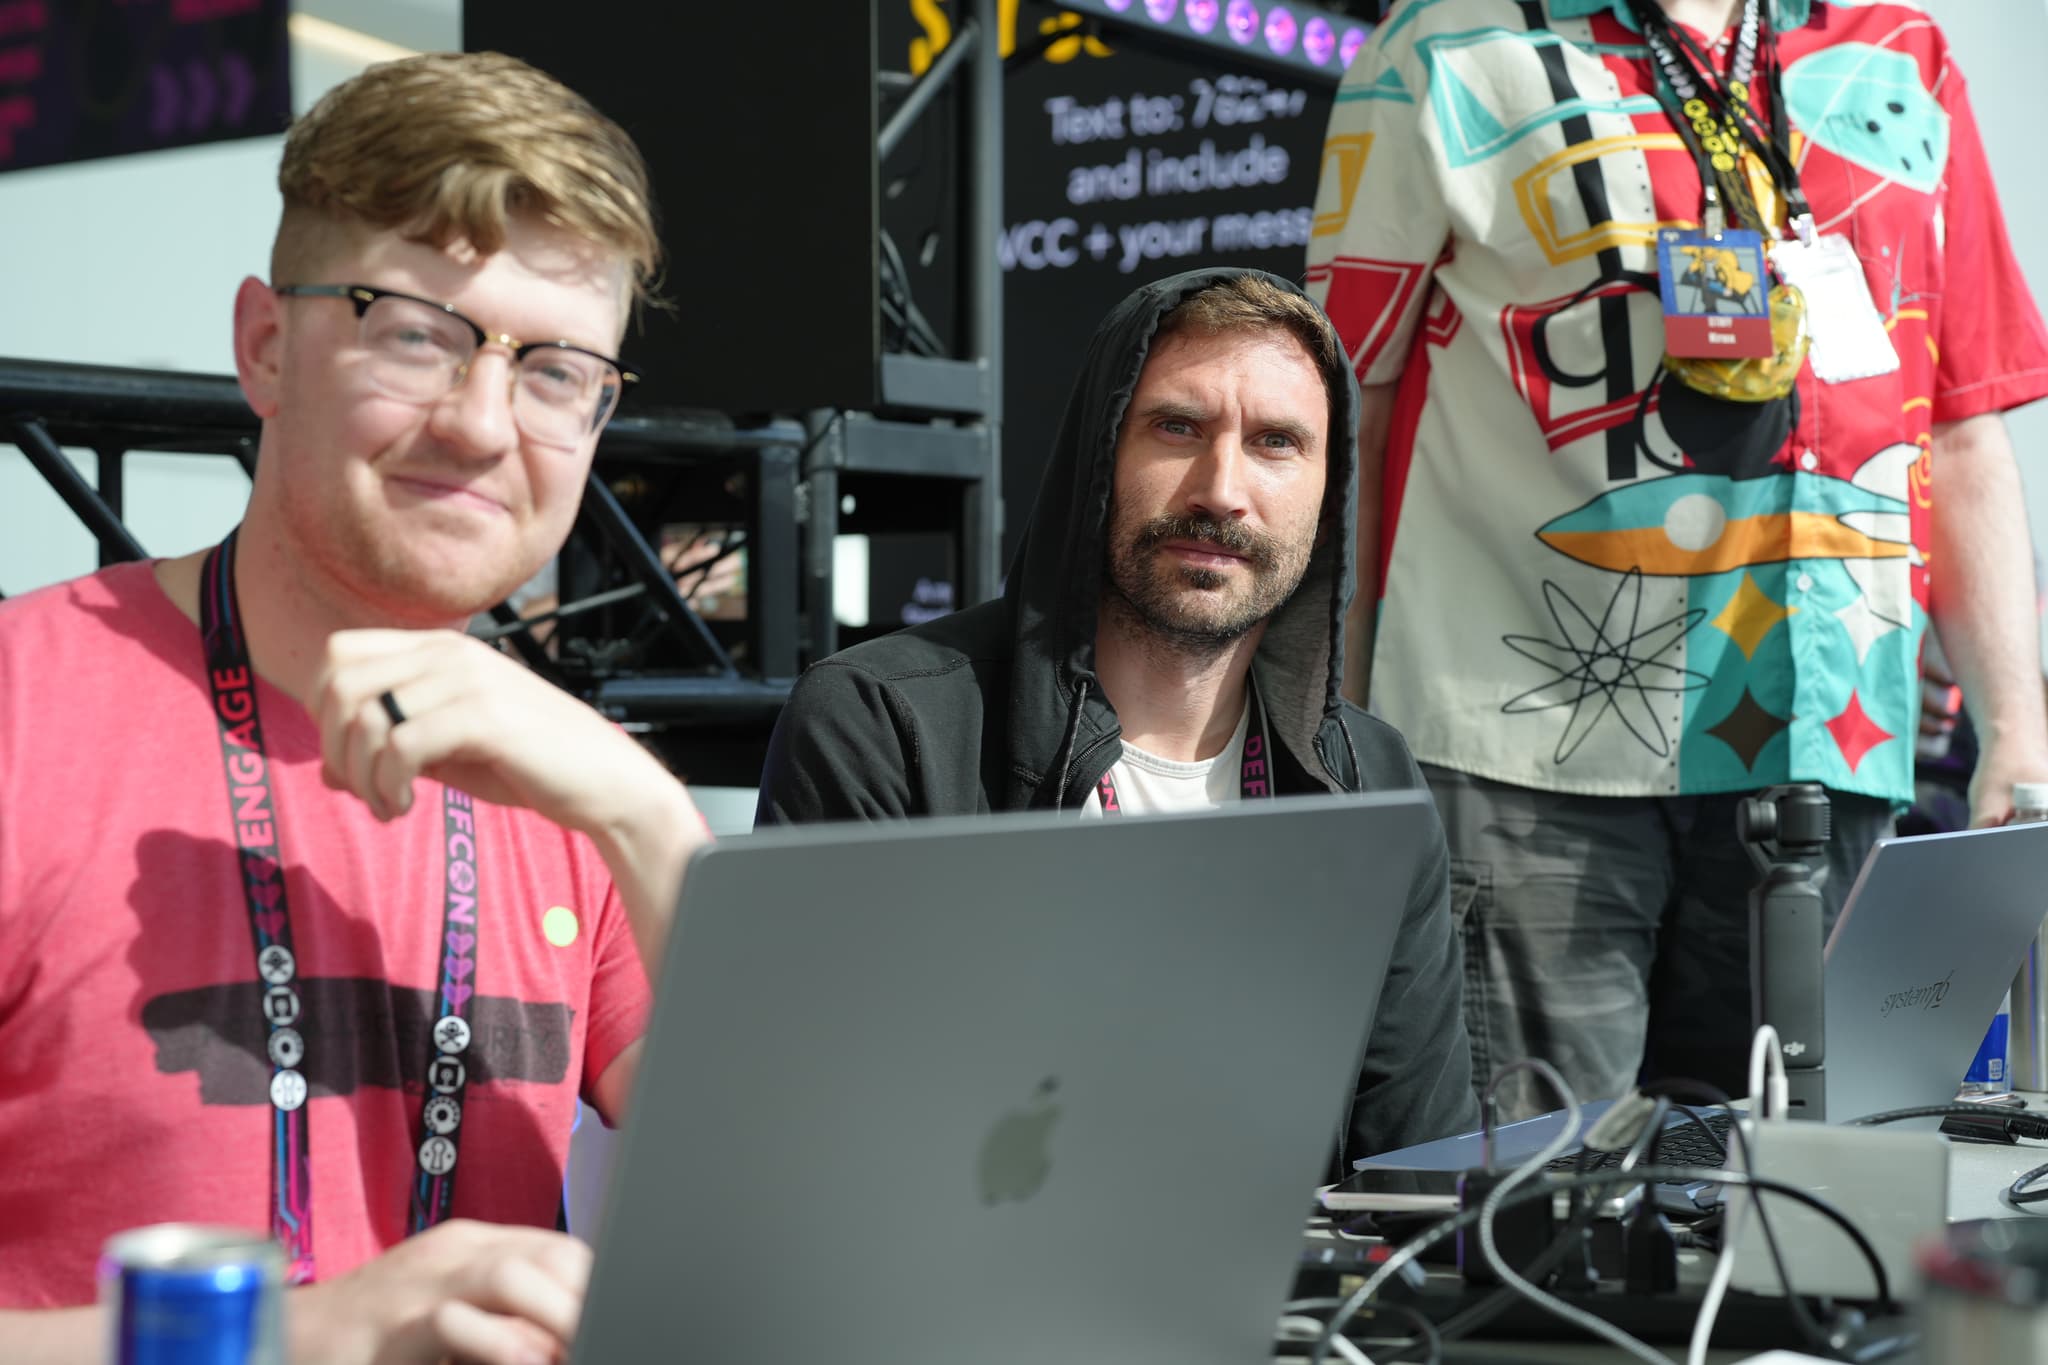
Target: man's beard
<point>1192,607</point>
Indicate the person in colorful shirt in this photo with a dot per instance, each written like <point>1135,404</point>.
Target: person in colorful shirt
<point>1605,598</point>
<point>320,916</point>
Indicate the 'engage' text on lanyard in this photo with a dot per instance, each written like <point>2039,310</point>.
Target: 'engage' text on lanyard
<point>253,810</point>
<point>1255,775</point>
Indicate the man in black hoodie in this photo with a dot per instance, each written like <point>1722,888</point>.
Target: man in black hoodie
<point>1170,637</point>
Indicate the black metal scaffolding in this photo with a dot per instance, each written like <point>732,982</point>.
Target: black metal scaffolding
<point>623,632</point>
<point>681,675</point>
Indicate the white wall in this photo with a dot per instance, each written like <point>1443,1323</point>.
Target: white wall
<point>134,261</point>
<point>2001,45</point>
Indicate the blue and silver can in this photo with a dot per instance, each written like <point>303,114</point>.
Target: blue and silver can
<point>1988,1073</point>
<point>186,1294</point>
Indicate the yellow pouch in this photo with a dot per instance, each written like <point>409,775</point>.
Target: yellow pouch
<point>1754,379</point>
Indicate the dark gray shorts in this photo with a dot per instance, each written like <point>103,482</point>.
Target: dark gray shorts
<point>1609,936</point>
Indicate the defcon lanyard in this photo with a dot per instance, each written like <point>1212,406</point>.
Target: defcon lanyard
<point>253,811</point>
<point>1255,776</point>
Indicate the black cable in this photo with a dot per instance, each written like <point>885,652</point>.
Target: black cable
<point>893,313</point>
<point>1817,1336</point>
<point>576,608</point>
<point>2018,1122</point>
<point>2018,1194</point>
<point>1498,1302</point>
<point>1678,1088</point>
<point>701,570</point>
<point>1646,1175</point>
<point>917,330</point>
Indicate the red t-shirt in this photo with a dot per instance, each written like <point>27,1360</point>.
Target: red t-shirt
<point>134,1083</point>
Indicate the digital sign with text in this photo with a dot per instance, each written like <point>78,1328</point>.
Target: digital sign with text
<point>81,79</point>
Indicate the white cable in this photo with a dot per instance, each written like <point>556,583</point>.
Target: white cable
<point>1298,1327</point>
<point>1344,1347</point>
<point>1525,1172</point>
<point>1776,1099</point>
<point>1301,1327</point>
<point>1763,1051</point>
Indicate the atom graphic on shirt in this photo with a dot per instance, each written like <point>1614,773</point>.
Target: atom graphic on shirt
<point>1612,665</point>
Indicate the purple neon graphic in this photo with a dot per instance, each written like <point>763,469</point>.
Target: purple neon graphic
<point>1280,31</point>
<point>1160,10</point>
<point>1118,5</point>
<point>1354,39</point>
<point>1202,14</point>
<point>1242,19</point>
<point>1317,41</point>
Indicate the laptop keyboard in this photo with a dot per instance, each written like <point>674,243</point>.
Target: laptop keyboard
<point>1682,1144</point>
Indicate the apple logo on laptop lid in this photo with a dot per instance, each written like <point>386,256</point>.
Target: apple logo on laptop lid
<point>1016,1155</point>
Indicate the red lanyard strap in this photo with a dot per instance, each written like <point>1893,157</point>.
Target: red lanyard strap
<point>1255,773</point>
<point>252,808</point>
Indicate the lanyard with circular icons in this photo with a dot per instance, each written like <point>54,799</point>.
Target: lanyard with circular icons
<point>1255,776</point>
<point>1717,119</point>
<point>253,811</point>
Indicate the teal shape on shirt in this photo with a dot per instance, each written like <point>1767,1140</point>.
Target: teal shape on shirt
<point>1784,709</point>
<point>1782,662</point>
<point>1403,16</point>
<point>1388,87</point>
<point>1737,730</point>
<point>1687,525</point>
<point>1866,105</point>
<point>1472,130</point>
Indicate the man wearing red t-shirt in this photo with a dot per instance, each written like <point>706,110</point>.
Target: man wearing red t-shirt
<point>1614,589</point>
<point>320,915</point>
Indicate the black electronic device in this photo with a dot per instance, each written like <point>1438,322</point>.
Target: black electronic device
<point>760,136</point>
<point>1785,831</point>
<point>79,81</point>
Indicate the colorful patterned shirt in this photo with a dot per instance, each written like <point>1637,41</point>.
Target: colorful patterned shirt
<point>1593,579</point>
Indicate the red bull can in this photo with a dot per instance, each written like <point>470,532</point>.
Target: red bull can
<point>186,1294</point>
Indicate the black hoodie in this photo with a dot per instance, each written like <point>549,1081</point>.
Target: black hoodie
<point>997,708</point>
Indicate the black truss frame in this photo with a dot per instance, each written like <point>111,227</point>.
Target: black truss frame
<point>46,406</point>
<point>938,419</point>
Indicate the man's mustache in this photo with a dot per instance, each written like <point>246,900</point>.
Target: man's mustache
<point>1258,550</point>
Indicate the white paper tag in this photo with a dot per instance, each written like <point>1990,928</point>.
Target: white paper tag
<point>1848,337</point>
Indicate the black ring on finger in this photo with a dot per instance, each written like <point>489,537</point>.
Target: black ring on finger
<point>390,704</point>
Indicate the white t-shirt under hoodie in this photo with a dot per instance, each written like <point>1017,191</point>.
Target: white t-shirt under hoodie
<point>1147,784</point>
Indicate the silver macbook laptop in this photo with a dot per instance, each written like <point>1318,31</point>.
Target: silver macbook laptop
<point>1927,942</point>
<point>1015,1088</point>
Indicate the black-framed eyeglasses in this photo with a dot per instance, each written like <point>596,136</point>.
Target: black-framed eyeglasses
<point>420,351</point>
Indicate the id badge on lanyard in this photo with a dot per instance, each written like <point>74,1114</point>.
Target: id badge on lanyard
<point>1848,338</point>
<point>1845,336</point>
<point>1715,293</point>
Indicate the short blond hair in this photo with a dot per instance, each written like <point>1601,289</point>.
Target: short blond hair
<point>1250,303</point>
<point>455,146</point>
